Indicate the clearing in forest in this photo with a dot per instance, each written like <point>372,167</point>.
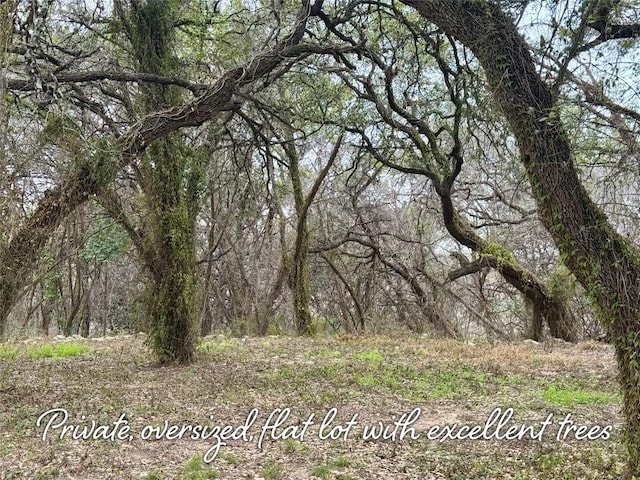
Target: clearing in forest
<point>296,408</point>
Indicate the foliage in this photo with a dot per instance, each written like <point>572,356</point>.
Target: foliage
<point>108,242</point>
<point>561,283</point>
<point>502,254</point>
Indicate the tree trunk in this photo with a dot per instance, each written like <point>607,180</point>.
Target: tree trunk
<point>544,306</point>
<point>299,275</point>
<point>299,267</point>
<point>206,315</point>
<point>607,265</point>
<point>168,250</point>
<point>169,307</point>
<point>85,317</point>
<point>559,318</point>
<point>46,308</point>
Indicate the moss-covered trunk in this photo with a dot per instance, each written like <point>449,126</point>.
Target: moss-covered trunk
<point>299,268</point>
<point>545,305</point>
<point>607,265</point>
<point>170,252</point>
<point>169,180</point>
<point>170,305</point>
<point>301,288</point>
<point>299,265</point>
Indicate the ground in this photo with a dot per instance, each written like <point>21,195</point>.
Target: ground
<point>367,380</point>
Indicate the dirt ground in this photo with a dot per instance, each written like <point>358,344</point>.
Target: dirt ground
<point>358,408</point>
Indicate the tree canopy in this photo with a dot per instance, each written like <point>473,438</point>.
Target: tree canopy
<point>464,167</point>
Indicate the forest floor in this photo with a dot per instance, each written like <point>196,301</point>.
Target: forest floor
<point>422,391</point>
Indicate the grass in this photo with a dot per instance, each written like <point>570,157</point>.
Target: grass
<point>272,470</point>
<point>321,471</point>
<point>293,446</point>
<point>372,356</point>
<point>230,458</point>
<point>216,347</point>
<point>48,472</point>
<point>372,370</point>
<point>564,395</point>
<point>154,475</point>
<point>195,469</point>
<point>342,462</point>
<point>377,378</point>
<point>45,350</point>
<point>546,463</point>
<point>419,384</point>
<point>5,450</point>
<point>58,350</point>
<point>324,353</point>
<point>8,351</point>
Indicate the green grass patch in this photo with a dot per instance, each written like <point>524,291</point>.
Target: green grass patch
<point>48,472</point>
<point>216,347</point>
<point>324,471</point>
<point>5,450</point>
<point>344,476</point>
<point>292,446</point>
<point>568,396</point>
<point>57,350</point>
<point>385,379</point>
<point>342,462</point>
<point>195,469</point>
<point>272,470</point>
<point>371,356</point>
<point>549,461</point>
<point>8,351</point>
<point>420,385</point>
<point>325,354</point>
<point>417,384</point>
<point>230,458</point>
<point>287,372</point>
<point>367,380</point>
<point>154,475</point>
<point>321,471</point>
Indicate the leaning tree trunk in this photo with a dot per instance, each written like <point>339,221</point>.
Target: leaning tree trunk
<point>607,265</point>
<point>546,307</point>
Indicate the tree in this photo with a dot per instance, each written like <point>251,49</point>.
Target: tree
<point>606,264</point>
<point>169,176</point>
<point>108,154</point>
<point>298,262</point>
<point>433,138</point>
